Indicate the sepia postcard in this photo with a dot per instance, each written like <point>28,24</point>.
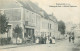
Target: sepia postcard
<point>39,25</point>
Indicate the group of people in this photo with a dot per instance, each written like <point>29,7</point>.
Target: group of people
<point>45,40</point>
<point>71,37</point>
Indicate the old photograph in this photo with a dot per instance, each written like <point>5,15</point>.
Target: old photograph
<point>39,25</point>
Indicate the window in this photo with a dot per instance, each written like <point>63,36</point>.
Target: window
<point>26,23</point>
<point>50,26</point>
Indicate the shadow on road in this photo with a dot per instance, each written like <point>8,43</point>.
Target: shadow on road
<point>75,49</point>
<point>76,46</point>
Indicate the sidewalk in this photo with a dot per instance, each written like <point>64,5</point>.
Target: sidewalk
<point>15,45</point>
<point>23,45</point>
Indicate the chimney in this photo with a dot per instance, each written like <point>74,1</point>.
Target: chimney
<point>42,12</point>
<point>2,12</point>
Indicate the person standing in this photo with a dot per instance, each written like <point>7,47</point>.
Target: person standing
<point>37,40</point>
<point>69,38</point>
<point>53,40</point>
<point>47,40</point>
<point>73,37</point>
<point>50,40</point>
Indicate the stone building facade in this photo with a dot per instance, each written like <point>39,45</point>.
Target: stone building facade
<point>33,20</point>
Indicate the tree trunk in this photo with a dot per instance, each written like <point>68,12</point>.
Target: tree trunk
<point>16,38</point>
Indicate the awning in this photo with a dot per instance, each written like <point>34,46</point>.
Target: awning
<point>30,27</point>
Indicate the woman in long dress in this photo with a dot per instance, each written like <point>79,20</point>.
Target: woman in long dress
<point>47,41</point>
<point>53,40</point>
<point>37,40</point>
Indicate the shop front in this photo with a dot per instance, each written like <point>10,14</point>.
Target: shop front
<point>29,35</point>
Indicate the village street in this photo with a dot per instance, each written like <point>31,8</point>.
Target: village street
<point>62,45</point>
<point>35,25</point>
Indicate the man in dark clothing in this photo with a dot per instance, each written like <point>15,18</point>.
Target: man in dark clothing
<point>73,39</point>
<point>50,41</point>
<point>69,39</point>
<point>45,40</point>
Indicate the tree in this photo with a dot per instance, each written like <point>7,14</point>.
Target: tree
<point>3,28</point>
<point>3,24</point>
<point>61,27</point>
<point>17,32</point>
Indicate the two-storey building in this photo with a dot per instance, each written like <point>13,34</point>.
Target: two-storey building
<point>34,21</point>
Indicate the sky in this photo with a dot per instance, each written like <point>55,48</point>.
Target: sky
<point>67,14</point>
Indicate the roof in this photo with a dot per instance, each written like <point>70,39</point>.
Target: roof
<point>53,18</point>
<point>33,7</point>
<point>25,4</point>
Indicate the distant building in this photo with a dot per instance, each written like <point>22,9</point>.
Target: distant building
<point>34,21</point>
<point>53,26</point>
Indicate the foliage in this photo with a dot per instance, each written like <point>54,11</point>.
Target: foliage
<point>17,31</point>
<point>3,23</point>
<point>61,27</point>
